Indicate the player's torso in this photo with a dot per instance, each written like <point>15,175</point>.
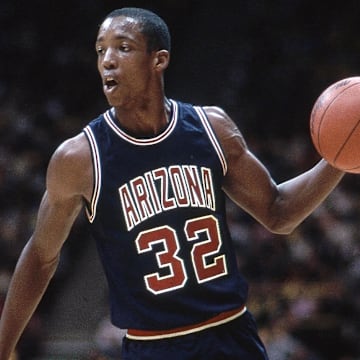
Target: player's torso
<point>159,221</point>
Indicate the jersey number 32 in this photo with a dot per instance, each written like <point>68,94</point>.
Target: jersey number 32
<point>207,261</point>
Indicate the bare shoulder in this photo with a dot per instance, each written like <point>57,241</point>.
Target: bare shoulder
<point>216,114</point>
<point>225,128</point>
<point>72,150</point>
<point>70,167</point>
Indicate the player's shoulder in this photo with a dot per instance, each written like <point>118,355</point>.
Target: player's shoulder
<point>220,119</point>
<point>73,149</point>
<point>70,167</point>
<point>215,111</point>
<point>71,156</point>
<point>226,129</point>
<point>217,116</point>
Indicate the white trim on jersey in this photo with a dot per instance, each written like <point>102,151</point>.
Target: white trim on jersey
<point>91,212</point>
<point>209,130</point>
<point>220,319</point>
<point>148,141</point>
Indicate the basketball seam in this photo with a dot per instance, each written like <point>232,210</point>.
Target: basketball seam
<point>325,111</point>
<point>345,142</point>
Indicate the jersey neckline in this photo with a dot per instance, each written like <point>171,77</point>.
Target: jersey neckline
<point>111,121</point>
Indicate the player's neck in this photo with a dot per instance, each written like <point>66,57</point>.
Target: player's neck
<point>144,121</point>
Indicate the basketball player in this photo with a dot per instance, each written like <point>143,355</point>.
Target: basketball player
<point>152,174</point>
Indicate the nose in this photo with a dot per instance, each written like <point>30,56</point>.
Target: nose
<point>109,60</point>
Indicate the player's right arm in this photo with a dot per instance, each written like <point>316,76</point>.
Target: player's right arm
<point>68,183</point>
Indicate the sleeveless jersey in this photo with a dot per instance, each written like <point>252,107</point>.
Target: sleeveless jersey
<point>158,217</point>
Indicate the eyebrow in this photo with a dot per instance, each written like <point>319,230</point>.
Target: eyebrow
<point>116,37</point>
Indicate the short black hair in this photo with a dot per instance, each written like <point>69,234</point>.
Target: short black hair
<point>153,27</point>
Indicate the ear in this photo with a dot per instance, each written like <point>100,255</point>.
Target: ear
<point>161,60</point>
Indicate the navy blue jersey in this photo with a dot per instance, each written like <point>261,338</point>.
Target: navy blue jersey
<point>158,217</point>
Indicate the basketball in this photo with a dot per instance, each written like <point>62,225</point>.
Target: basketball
<point>335,124</point>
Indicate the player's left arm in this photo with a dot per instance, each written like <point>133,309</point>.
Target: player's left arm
<point>279,207</point>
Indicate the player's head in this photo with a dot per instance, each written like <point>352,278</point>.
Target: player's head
<point>133,53</point>
<point>152,26</point>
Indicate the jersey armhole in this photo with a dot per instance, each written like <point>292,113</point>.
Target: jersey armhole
<point>92,205</point>
<point>212,136</point>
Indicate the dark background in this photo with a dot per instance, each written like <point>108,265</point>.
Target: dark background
<point>265,63</point>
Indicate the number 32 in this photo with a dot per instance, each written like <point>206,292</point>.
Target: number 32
<point>207,261</point>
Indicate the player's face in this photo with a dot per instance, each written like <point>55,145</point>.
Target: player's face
<point>124,64</point>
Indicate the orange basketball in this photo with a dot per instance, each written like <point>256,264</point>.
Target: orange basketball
<point>335,124</point>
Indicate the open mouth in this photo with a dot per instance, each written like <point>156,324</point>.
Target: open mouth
<point>109,83</point>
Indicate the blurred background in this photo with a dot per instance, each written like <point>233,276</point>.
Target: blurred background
<point>265,62</point>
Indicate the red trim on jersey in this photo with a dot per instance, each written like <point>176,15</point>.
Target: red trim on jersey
<point>109,118</point>
<point>219,319</point>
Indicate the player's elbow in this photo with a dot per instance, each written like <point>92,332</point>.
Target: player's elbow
<point>283,222</point>
<point>281,227</point>
<point>280,221</point>
<point>281,217</point>
<point>41,260</point>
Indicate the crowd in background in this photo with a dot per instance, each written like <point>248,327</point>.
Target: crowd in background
<point>266,70</point>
